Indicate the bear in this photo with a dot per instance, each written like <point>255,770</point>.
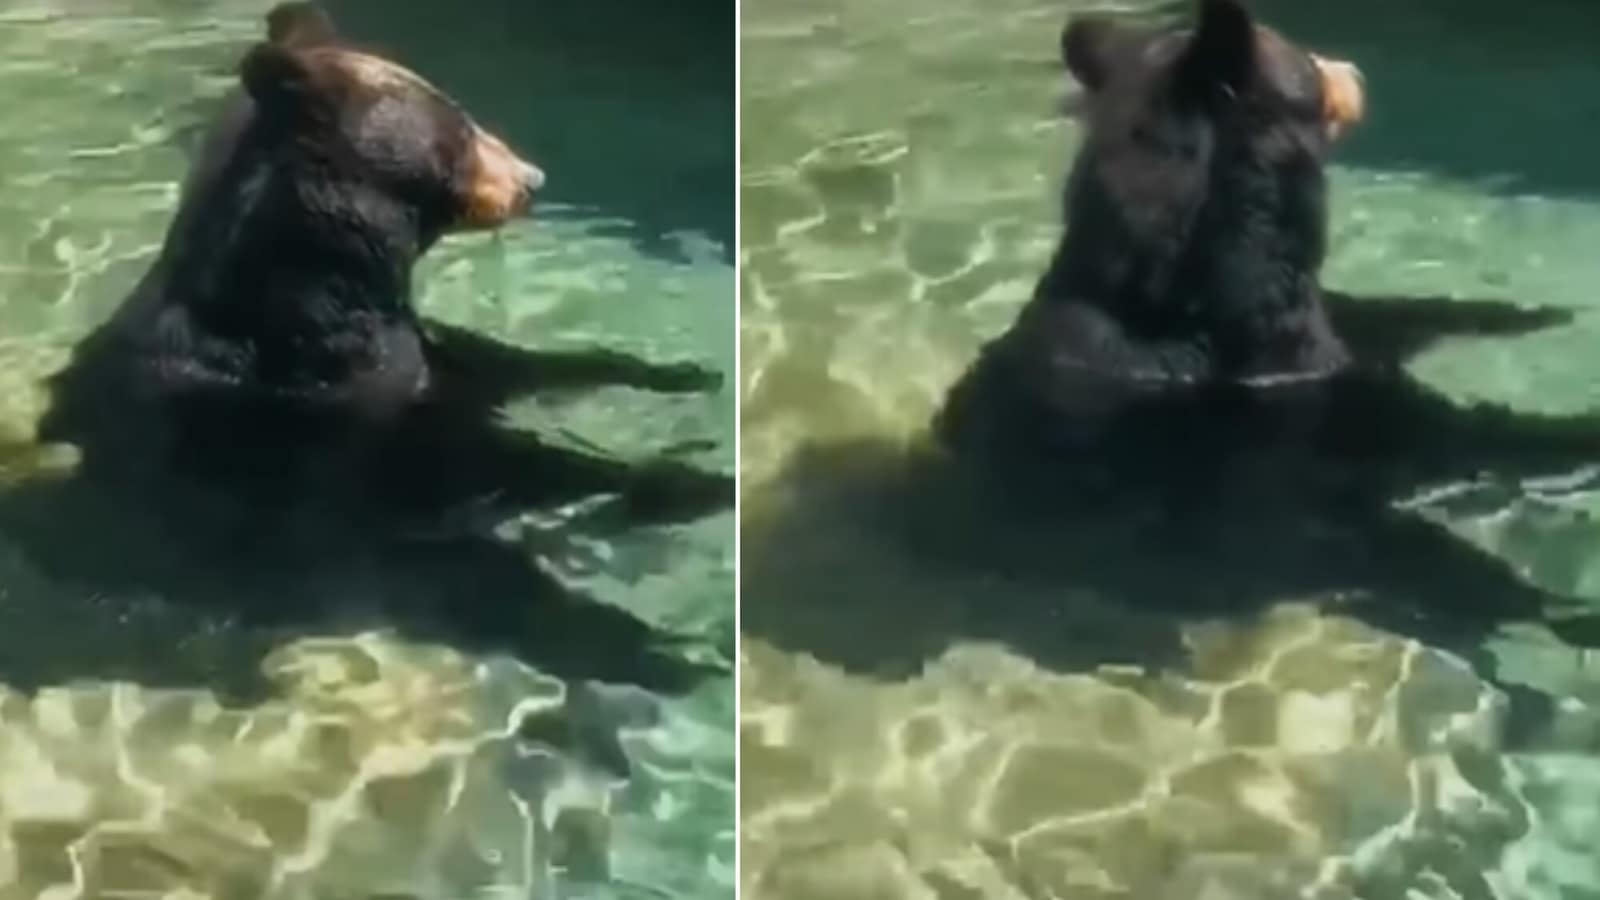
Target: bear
<point>1197,223</point>
<point>273,339</point>
<point>343,169</point>
<point>1180,415</point>
<point>272,441</point>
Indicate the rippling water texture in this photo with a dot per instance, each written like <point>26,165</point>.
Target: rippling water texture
<point>158,747</point>
<point>921,725</point>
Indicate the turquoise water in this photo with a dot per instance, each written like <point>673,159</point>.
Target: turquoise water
<point>155,745</point>
<point>934,705</point>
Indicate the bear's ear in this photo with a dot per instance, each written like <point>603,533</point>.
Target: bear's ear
<point>300,25</point>
<point>1085,49</point>
<point>1221,56</point>
<point>276,78</point>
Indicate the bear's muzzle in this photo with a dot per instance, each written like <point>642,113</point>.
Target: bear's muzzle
<point>1344,96</point>
<point>500,183</point>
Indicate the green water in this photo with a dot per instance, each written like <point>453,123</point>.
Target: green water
<point>920,725</point>
<point>362,762</point>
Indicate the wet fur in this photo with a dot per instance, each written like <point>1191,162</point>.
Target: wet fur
<point>1196,223</point>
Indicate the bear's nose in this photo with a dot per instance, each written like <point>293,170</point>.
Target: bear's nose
<point>529,179</point>
<point>532,177</point>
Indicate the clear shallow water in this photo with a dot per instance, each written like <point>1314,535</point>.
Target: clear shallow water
<point>364,762</point>
<point>950,723</point>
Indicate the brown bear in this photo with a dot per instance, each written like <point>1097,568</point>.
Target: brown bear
<point>274,335</point>
<point>1197,220</point>
<point>275,443</point>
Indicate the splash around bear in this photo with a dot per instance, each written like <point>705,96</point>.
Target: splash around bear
<point>274,335</point>
<point>1196,224</point>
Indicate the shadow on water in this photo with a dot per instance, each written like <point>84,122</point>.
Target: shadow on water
<point>628,105</point>
<point>1506,94</point>
<point>877,557</point>
<point>191,578</point>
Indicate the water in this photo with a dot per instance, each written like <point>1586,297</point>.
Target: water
<point>159,737</point>
<point>935,704</point>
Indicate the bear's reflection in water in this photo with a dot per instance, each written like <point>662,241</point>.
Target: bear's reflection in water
<point>1098,547</point>
<point>182,551</point>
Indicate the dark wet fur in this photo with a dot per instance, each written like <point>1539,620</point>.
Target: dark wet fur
<point>274,443</point>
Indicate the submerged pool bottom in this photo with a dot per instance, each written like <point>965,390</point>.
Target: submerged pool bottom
<point>1305,756</point>
<point>378,757</point>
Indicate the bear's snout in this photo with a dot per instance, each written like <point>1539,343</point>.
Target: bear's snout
<point>501,183</point>
<point>1344,97</point>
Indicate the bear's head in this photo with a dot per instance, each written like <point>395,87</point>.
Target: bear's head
<point>1228,72</point>
<point>1198,193</point>
<point>362,123</point>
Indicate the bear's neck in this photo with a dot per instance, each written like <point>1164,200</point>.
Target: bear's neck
<point>274,256</point>
<point>1235,265</point>
<point>1255,257</point>
<point>281,281</point>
